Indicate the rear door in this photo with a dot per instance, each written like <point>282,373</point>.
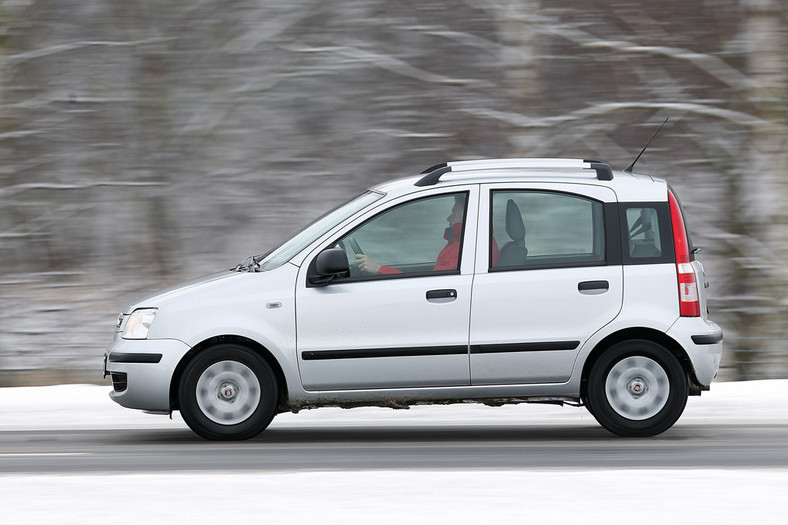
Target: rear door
<point>551,276</point>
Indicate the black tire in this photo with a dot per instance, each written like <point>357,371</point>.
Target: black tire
<point>228,392</point>
<point>588,406</point>
<point>637,388</point>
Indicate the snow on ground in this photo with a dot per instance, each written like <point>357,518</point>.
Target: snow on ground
<point>89,406</point>
<point>666,496</point>
<point>643,497</point>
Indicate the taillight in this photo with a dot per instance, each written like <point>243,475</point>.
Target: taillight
<point>689,301</point>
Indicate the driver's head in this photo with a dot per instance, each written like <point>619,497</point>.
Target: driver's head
<point>457,211</point>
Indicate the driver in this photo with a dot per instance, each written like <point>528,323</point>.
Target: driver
<point>448,256</point>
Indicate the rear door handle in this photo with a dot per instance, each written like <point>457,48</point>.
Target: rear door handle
<point>441,294</point>
<point>590,286</point>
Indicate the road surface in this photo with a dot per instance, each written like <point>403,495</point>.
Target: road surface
<point>392,447</point>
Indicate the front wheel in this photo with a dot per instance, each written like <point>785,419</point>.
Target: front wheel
<point>637,388</point>
<point>228,392</point>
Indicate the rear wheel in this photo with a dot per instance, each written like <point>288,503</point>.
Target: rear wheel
<point>637,388</point>
<point>228,392</point>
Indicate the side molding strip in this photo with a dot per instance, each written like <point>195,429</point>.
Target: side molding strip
<point>525,347</point>
<point>316,355</point>
<point>422,351</point>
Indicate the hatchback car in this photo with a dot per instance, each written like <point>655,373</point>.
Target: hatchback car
<point>495,281</point>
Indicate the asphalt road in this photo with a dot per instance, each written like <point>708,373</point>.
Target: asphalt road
<point>387,447</point>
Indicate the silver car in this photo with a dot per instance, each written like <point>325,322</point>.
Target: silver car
<point>497,281</point>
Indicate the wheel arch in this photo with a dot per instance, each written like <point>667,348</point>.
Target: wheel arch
<point>647,334</point>
<point>251,344</point>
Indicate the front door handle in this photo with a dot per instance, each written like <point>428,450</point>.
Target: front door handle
<point>591,286</point>
<point>441,294</point>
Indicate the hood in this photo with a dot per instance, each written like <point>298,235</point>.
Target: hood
<point>162,296</point>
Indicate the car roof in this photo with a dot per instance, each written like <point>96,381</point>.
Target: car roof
<point>630,187</point>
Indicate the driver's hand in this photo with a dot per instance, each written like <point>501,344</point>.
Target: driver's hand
<point>366,264</point>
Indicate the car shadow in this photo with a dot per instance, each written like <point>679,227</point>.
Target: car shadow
<point>383,434</point>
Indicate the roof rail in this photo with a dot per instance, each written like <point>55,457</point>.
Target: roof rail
<point>487,164</point>
<point>433,174</point>
<point>603,171</point>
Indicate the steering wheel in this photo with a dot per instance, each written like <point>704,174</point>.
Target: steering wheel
<point>355,271</point>
<point>355,246</point>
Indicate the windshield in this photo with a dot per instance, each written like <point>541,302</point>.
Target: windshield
<point>313,231</point>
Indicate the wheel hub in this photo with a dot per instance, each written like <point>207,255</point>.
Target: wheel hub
<point>228,392</point>
<point>637,388</point>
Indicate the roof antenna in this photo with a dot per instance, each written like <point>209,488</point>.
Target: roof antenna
<point>631,166</point>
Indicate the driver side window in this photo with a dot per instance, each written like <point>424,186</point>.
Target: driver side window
<point>417,237</point>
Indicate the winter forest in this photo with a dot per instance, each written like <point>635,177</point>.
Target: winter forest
<point>145,143</point>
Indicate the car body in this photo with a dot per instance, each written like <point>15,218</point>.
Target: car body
<point>557,280</point>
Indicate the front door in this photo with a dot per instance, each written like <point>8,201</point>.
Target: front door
<point>400,319</point>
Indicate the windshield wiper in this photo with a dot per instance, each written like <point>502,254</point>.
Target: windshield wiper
<point>251,264</point>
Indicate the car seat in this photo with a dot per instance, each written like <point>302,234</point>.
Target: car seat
<point>514,252</point>
<point>644,226</point>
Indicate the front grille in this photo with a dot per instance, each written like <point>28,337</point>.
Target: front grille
<point>119,381</point>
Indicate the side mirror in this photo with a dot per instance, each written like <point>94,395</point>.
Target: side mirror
<point>328,264</point>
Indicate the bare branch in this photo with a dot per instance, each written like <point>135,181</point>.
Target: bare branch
<point>19,188</point>
<point>34,227</point>
<point>388,63</point>
<point>710,64</point>
<point>737,117</point>
<point>707,63</point>
<point>404,133</point>
<point>63,48</point>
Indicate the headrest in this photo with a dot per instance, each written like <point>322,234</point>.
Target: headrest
<point>514,222</point>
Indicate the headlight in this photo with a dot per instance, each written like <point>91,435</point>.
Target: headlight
<point>138,323</point>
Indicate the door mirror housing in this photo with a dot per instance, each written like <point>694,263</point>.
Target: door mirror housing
<point>328,264</point>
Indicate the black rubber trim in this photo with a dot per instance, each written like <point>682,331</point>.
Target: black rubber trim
<point>585,264</point>
<point>546,346</point>
<point>613,249</point>
<point>134,358</point>
<point>318,355</point>
<point>707,339</point>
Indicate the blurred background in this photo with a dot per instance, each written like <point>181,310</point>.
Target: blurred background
<point>144,143</point>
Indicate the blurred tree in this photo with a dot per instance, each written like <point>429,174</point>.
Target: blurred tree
<point>145,142</point>
<point>522,63</point>
<point>764,181</point>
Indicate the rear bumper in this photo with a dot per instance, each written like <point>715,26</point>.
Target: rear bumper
<point>142,370</point>
<point>707,339</point>
<point>702,340</point>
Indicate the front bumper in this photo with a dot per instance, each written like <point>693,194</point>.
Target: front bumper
<point>142,371</point>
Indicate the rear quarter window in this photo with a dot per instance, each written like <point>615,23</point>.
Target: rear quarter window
<point>645,232</point>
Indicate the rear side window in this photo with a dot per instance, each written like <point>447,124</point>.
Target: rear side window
<point>646,233</point>
<point>539,229</point>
